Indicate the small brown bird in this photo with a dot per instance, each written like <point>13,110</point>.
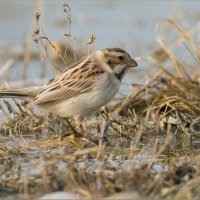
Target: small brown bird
<point>83,87</point>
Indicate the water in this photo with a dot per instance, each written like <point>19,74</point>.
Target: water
<point>113,22</point>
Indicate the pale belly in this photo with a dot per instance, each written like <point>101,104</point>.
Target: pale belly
<point>85,103</point>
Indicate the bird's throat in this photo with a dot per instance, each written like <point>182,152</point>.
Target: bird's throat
<point>120,75</point>
<point>119,71</point>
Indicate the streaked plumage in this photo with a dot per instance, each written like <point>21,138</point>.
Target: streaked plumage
<point>83,87</point>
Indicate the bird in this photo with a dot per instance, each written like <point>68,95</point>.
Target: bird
<point>82,87</point>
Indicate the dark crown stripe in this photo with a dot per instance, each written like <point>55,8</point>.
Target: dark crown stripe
<point>116,50</point>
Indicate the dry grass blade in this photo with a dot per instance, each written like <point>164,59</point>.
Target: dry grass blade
<point>186,35</point>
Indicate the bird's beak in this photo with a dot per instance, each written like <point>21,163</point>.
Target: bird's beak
<point>132,63</point>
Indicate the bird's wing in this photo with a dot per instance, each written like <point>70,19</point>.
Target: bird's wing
<point>76,80</point>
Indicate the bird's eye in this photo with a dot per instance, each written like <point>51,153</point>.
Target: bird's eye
<point>121,57</point>
<point>109,62</point>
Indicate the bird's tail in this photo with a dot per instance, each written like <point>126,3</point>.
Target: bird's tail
<point>25,93</point>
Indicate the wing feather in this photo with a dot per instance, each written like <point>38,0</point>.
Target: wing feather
<point>70,83</point>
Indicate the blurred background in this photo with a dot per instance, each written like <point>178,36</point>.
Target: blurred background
<point>132,25</point>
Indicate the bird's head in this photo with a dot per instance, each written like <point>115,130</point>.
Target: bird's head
<point>117,60</point>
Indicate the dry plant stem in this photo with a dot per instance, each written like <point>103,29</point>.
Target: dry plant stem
<point>4,112</point>
<point>7,66</point>
<point>180,69</point>
<point>28,47</point>
<point>186,35</point>
<point>66,9</point>
<point>173,99</point>
<point>47,55</point>
<point>53,46</point>
<point>129,99</point>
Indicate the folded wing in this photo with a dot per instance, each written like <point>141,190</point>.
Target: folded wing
<point>73,82</point>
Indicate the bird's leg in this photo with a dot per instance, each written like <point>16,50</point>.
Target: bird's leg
<point>78,134</point>
<point>82,125</point>
<point>75,132</point>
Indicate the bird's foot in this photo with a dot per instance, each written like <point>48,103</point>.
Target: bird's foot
<point>75,133</point>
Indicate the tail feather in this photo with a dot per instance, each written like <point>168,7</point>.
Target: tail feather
<point>12,93</point>
<point>29,93</point>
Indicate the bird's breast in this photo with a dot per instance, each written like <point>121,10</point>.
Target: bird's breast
<point>107,87</point>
